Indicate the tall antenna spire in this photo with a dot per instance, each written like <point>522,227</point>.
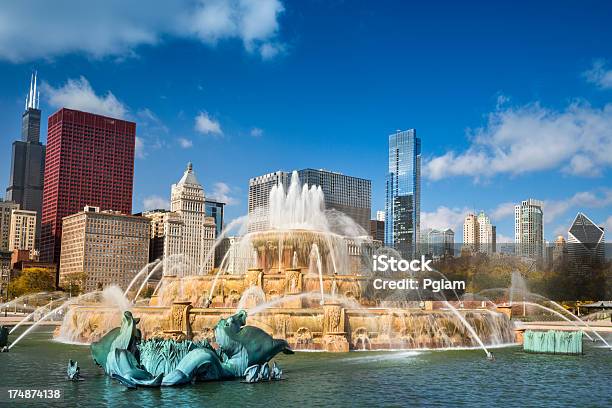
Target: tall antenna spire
<point>35,92</point>
<point>33,98</point>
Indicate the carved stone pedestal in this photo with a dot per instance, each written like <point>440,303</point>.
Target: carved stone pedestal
<point>293,286</point>
<point>334,335</point>
<point>179,318</point>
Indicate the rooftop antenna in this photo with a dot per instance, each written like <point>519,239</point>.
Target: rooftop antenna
<point>33,98</point>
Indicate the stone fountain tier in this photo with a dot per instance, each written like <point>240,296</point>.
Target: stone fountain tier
<point>331,327</point>
<point>278,250</point>
<point>229,289</point>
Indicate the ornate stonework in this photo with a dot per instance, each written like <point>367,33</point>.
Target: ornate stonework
<point>293,281</point>
<point>333,319</point>
<point>179,317</point>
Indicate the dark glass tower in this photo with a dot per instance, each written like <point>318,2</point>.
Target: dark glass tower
<point>28,160</point>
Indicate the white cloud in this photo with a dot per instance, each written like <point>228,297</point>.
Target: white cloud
<point>222,192</point>
<point>444,217</point>
<point>607,228</point>
<point>585,199</point>
<point>256,132</point>
<point>502,211</point>
<point>270,50</point>
<point>78,94</point>
<point>185,143</point>
<point>207,125</point>
<point>503,239</point>
<point>46,29</point>
<point>599,75</point>
<point>530,138</point>
<point>155,202</point>
<point>139,148</point>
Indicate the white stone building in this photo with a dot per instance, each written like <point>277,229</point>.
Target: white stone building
<point>184,236</point>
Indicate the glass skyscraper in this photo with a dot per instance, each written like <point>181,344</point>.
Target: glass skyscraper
<point>403,193</point>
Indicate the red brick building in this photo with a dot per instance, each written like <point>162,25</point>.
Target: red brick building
<point>90,161</point>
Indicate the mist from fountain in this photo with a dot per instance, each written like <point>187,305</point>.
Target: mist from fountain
<point>470,329</point>
<point>112,294</point>
<point>40,309</point>
<point>577,318</point>
<point>111,298</point>
<point>155,269</point>
<point>555,313</point>
<point>140,273</point>
<point>32,298</point>
<point>315,264</point>
<point>253,295</point>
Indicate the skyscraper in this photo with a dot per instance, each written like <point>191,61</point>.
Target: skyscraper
<point>214,209</point>
<point>529,229</point>
<point>585,243</point>
<point>403,192</point>
<point>259,197</point>
<point>479,235</point>
<point>90,161</point>
<point>28,159</point>
<point>440,242</point>
<point>377,230</point>
<point>187,201</point>
<point>486,234</point>
<point>471,235</point>
<point>347,194</point>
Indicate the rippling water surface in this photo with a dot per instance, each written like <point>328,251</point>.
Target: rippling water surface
<point>461,378</point>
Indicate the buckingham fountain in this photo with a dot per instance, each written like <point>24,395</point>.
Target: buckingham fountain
<point>306,278</point>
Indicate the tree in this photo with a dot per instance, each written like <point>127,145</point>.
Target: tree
<point>33,280</point>
<point>74,282</point>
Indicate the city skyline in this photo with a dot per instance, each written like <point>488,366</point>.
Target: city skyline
<point>235,124</point>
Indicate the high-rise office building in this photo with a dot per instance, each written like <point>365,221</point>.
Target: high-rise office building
<point>559,253</point>
<point>380,215</point>
<point>214,209</point>
<point>90,161</point>
<point>28,160</point>
<point>185,231</point>
<point>585,243</point>
<point>105,247</point>
<point>529,229</point>
<point>259,197</point>
<point>440,242</point>
<point>187,201</point>
<point>403,193</point>
<point>349,195</point>
<point>22,234</point>
<point>377,230</point>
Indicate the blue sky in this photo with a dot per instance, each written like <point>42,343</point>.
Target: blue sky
<point>511,101</point>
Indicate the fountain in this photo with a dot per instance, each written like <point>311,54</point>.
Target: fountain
<point>243,352</point>
<point>553,342</point>
<point>306,279</point>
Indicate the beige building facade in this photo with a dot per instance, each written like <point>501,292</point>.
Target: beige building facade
<point>22,233</point>
<point>6,210</point>
<point>108,248</point>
